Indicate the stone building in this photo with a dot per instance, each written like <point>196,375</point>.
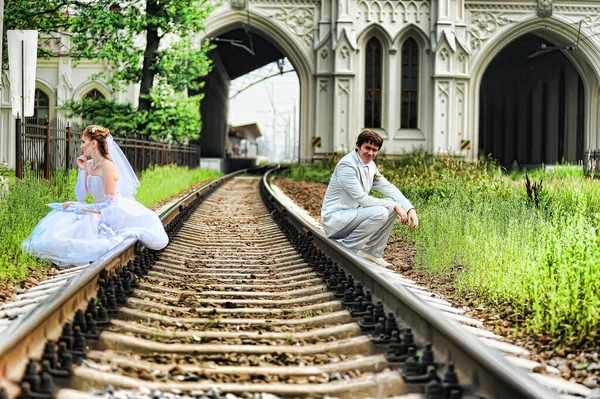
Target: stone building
<point>518,79</point>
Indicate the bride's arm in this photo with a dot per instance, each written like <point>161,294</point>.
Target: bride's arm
<point>81,190</point>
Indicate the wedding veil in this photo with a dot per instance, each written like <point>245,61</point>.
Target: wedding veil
<point>128,182</point>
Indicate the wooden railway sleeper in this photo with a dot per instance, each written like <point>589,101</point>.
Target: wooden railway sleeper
<point>438,381</point>
<point>417,370</point>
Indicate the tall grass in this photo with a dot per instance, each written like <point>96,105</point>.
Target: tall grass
<point>163,182</point>
<point>20,210</point>
<point>478,224</point>
<point>24,206</point>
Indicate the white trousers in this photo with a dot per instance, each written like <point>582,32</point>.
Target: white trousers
<point>369,231</point>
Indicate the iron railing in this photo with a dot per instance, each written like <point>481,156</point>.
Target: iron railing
<point>47,146</point>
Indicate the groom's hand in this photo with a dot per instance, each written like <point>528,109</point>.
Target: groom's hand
<point>413,219</point>
<point>401,213</point>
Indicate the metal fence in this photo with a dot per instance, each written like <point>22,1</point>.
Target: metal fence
<point>44,147</point>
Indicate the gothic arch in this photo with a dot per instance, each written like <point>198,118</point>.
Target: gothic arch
<point>89,85</point>
<point>301,59</point>
<point>48,90</point>
<point>377,31</point>
<point>586,61</point>
<point>416,33</point>
<point>425,106</point>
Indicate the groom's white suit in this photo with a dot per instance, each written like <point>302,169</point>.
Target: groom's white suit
<point>362,222</point>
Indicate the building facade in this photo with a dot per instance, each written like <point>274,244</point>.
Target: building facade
<point>517,79</point>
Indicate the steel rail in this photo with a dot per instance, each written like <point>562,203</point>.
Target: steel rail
<point>26,339</point>
<point>477,365</point>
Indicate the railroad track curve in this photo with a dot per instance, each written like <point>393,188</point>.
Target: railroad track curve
<point>247,301</point>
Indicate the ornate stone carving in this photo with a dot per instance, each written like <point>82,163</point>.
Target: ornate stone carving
<point>344,52</point>
<point>592,23</point>
<point>483,26</point>
<point>344,86</point>
<point>324,53</point>
<point>322,85</point>
<point>544,8</point>
<point>461,56</point>
<point>383,10</point>
<point>299,20</point>
<point>238,4</point>
<point>444,54</point>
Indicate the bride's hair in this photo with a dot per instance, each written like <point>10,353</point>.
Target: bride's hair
<point>100,134</point>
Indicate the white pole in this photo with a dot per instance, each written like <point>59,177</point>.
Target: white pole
<point>1,37</point>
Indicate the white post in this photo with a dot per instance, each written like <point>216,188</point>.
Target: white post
<point>1,37</point>
<point>22,58</point>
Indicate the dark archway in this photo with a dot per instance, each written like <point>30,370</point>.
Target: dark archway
<point>237,52</point>
<point>532,105</point>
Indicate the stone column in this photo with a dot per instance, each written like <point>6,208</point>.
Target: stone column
<point>571,105</point>
<point>536,123</point>
<point>552,119</point>
<point>441,110</point>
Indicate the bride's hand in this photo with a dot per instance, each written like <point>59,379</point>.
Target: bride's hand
<point>81,162</point>
<point>65,205</point>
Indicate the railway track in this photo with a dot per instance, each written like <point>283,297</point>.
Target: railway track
<point>246,301</point>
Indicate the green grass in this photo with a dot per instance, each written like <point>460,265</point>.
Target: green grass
<point>24,206</point>
<point>479,226</point>
<point>159,183</point>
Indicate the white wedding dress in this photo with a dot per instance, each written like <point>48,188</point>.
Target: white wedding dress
<point>73,237</point>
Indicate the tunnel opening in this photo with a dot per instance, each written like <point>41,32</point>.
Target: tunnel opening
<point>532,105</point>
<point>238,52</point>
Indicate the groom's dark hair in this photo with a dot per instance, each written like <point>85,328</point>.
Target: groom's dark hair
<point>371,137</point>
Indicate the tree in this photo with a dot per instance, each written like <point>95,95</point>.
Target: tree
<point>111,31</point>
<point>152,43</point>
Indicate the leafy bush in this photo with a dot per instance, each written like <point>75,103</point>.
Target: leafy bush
<point>173,118</point>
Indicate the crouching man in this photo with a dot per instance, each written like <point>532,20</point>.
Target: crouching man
<point>362,222</point>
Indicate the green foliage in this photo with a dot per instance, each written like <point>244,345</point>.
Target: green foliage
<point>45,16</point>
<point>319,172</point>
<point>182,64</point>
<point>122,119</point>
<point>19,213</point>
<point>173,117</point>
<point>169,60</point>
<point>101,34</point>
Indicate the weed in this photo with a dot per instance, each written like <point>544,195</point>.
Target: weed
<point>306,314</point>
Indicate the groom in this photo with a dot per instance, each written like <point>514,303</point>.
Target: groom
<point>362,222</point>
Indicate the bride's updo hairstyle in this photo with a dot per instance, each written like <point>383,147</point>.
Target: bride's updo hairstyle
<point>100,134</point>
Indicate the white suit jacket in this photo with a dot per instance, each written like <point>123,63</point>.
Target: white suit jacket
<point>349,189</point>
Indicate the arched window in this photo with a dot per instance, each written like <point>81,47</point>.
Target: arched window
<point>94,94</point>
<point>373,73</point>
<point>41,106</point>
<point>410,84</point>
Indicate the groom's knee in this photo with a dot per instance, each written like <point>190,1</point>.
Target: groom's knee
<point>380,213</point>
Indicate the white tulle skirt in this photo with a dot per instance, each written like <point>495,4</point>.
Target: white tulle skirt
<point>71,239</point>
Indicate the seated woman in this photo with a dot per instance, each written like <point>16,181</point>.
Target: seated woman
<point>80,233</point>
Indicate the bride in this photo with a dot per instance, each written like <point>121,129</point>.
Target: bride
<point>76,233</point>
